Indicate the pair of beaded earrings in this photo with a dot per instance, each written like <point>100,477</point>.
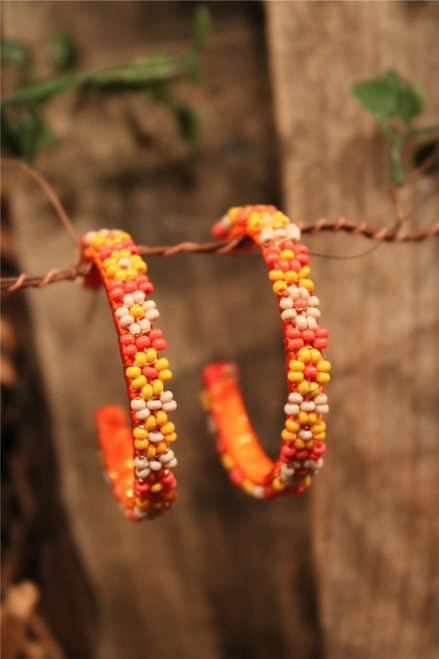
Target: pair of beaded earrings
<point>140,459</point>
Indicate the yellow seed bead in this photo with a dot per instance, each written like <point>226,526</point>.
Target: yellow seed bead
<point>226,461</point>
<point>306,482</point>
<point>107,262</point>
<point>135,258</point>
<point>292,426</point>
<point>306,283</point>
<point>140,433</point>
<point>143,504</point>
<point>205,401</point>
<point>157,387</point>
<point>171,496</point>
<point>310,444</point>
<point>125,254</point>
<point>318,427</point>
<point>303,418</point>
<point>161,364</point>
<point>313,417</point>
<point>150,422</point>
<point>276,275</point>
<point>139,382</point>
<point>299,444</point>
<point>115,254</point>
<point>315,389</point>
<point>151,452</point>
<point>137,311</point>
<point>140,359</point>
<point>147,392</point>
<point>167,428</point>
<point>121,236</point>
<point>296,365</point>
<point>291,276</point>
<point>280,287</point>
<point>277,485</point>
<point>323,377</point>
<point>141,267</point>
<point>320,436</point>
<point>323,366</point>
<point>151,355</point>
<point>161,417</point>
<point>316,355</point>
<point>286,254</point>
<point>141,444</point>
<point>233,212</point>
<point>161,447</point>
<point>165,375</point>
<point>247,486</point>
<point>303,387</point>
<point>97,240</point>
<point>133,372</point>
<point>172,437</point>
<point>111,270</point>
<point>120,275</point>
<point>131,273</point>
<point>157,487</point>
<point>288,436</point>
<point>304,272</point>
<point>295,376</point>
<point>304,354</point>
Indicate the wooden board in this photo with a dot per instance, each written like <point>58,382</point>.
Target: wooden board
<point>375,507</point>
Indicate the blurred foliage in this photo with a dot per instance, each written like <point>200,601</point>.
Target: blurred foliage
<point>395,102</point>
<point>25,131</point>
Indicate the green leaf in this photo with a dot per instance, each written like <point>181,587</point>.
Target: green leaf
<point>390,95</point>
<point>62,51</point>
<point>15,53</point>
<point>187,121</point>
<point>377,96</point>
<point>201,27</point>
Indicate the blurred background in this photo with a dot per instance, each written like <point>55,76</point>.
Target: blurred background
<point>350,568</point>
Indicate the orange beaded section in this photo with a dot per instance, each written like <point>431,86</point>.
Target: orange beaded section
<point>138,459</point>
<point>307,372</point>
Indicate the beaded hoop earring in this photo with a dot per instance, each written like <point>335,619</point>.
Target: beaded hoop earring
<point>138,459</point>
<point>307,372</point>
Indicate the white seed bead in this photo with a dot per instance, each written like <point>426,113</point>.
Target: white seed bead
<point>301,322</point>
<point>312,312</point>
<point>304,292</point>
<point>152,314</point>
<point>149,304</point>
<point>266,236</point>
<point>258,492</point>
<point>166,396</point>
<point>143,414</point>
<point>280,233</point>
<point>120,312</point>
<point>319,463</point>
<point>140,514</point>
<point>295,397</point>
<point>135,328</point>
<point>172,463</point>
<point>155,436</point>
<point>88,236</point>
<point>293,232</point>
<point>139,297</point>
<point>226,222</point>
<point>297,464</point>
<point>155,465</point>
<point>128,300</point>
<point>124,263</point>
<point>308,405</point>
<point>291,409</point>
<point>145,325</point>
<point>321,399</point>
<point>305,434</point>
<point>126,320</point>
<point>170,407</point>
<point>103,231</point>
<point>312,323</point>
<point>286,471</point>
<point>137,404</point>
<point>166,457</point>
<point>313,301</point>
<point>322,409</point>
<point>288,314</point>
<point>286,303</point>
<point>154,404</point>
<point>309,464</point>
<point>293,292</point>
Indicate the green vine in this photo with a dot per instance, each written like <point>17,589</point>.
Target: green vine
<point>395,102</point>
<point>24,129</point>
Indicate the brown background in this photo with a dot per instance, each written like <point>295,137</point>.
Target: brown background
<point>347,570</point>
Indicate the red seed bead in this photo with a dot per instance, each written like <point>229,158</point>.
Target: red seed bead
<point>155,334</point>
<point>236,476</point>
<point>168,479</point>
<point>301,472</point>
<point>126,339</point>
<point>116,294</point>
<point>269,493</point>
<point>159,344</point>
<point>284,265</point>
<point>310,372</point>
<point>146,287</point>
<point>287,452</point>
<point>220,446</point>
<point>322,332</point>
<point>301,248</point>
<point>302,455</point>
<point>295,265</point>
<point>319,447</point>
<point>272,260</point>
<point>151,372</point>
<point>115,283</point>
<point>104,252</point>
<point>320,343</point>
<point>293,332</point>
<point>300,303</point>
<point>140,489</point>
<point>308,335</point>
<point>143,342</point>
<point>130,350</point>
<point>303,258</point>
<point>295,344</point>
<point>130,286</point>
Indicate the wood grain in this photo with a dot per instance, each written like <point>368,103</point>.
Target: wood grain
<point>375,507</point>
